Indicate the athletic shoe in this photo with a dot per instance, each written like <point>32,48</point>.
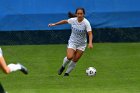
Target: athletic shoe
<point>23,69</point>
<point>66,74</point>
<point>60,71</point>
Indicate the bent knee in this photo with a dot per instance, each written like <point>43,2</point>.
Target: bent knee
<point>69,57</point>
<point>75,60</point>
<point>6,71</point>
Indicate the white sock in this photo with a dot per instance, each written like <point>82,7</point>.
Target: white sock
<point>71,67</point>
<point>14,67</point>
<point>65,62</point>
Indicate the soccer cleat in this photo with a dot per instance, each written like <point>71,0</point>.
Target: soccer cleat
<point>60,71</point>
<point>66,74</point>
<point>23,69</point>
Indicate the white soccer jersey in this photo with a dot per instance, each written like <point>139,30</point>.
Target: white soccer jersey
<point>0,52</point>
<point>79,30</point>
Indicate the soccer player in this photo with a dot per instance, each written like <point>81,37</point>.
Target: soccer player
<point>77,42</point>
<point>11,67</point>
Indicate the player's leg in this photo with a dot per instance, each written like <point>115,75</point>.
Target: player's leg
<point>2,89</point>
<point>11,67</point>
<point>67,59</point>
<point>77,56</point>
<point>79,52</point>
<point>4,66</point>
<point>75,59</point>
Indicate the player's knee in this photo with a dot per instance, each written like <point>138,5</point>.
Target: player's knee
<point>69,57</point>
<point>75,60</point>
<point>6,71</point>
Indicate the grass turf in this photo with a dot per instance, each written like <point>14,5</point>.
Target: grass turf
<point>117,64</point>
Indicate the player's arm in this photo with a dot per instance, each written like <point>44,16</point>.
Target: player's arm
<point>90,45</point>
<point>90,35</point>
<point>59,23</point>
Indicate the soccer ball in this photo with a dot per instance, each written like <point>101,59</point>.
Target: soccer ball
<point>91,71</point>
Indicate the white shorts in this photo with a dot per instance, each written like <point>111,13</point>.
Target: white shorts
<point>75,46</point>
<point>1,52</point>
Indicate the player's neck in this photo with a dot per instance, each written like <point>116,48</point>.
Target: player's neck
<point>80,20</point>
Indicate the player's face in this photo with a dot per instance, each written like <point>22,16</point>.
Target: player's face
<point>80,15</point>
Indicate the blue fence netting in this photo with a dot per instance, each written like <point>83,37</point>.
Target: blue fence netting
<point>18,15</point>
<point>26,21</point>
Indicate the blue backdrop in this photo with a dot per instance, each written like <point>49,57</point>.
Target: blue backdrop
<point>33,15</point>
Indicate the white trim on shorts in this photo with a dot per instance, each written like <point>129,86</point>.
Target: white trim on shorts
<point>75,47</point>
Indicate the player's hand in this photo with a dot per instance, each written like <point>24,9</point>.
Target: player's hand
<point>51,25</point>
<point>90,45</point>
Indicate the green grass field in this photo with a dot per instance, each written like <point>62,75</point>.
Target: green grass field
<point>117,64</point>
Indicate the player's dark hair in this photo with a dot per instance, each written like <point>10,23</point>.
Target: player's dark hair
<point>80,9</point>
<point>71,15</point>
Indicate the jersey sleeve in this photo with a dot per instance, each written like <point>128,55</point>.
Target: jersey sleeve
<point>70,21</point>
<point>88,26</point>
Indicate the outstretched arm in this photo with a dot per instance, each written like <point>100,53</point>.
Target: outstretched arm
<point>59,23</point>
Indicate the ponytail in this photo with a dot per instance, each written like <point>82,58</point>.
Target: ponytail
<point>71,15</point>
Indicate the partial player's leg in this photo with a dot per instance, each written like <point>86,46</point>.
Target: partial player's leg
<point>11,67</point>
<point>3,65</point>
<point>67,59</point>
<point>75,59</point>
<point>2,89</point>
<point>77,55</point>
